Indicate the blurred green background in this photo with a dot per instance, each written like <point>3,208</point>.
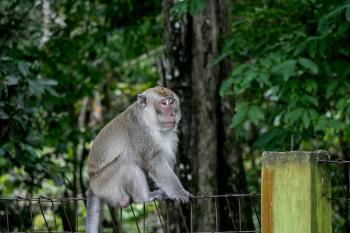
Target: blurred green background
<point>68,67</point>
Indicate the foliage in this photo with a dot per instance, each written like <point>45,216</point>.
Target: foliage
<point>290,81</point>
<point>43,85</point>
<point>53,92</point>
<point>23,106</point>
<point>290,75</point>
<point>192,7</point>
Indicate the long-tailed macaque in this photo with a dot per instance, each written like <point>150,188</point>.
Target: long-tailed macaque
<point>140,142</point>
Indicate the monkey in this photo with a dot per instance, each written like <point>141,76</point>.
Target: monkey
<point>138,143</point>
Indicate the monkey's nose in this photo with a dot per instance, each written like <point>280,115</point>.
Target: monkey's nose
<point>173,117</point>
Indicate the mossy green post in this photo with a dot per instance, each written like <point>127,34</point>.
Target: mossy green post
<point>294,193</point>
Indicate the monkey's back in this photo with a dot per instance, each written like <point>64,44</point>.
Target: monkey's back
<point>111,142</point>
<point>114,157</point>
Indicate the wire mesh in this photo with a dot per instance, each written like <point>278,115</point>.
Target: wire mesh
<point>340,194</point>
<point>340,172</point>
<point>67,214</point>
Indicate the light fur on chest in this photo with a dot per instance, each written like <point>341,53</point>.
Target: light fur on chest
<point>167,141</point>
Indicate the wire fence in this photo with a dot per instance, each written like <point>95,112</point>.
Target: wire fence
<point>67,214</point>
<point>340,193</point>
<point>203,214</point>
<point>340,174</point>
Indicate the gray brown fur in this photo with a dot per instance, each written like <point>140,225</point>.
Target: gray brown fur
<point>126,147</point>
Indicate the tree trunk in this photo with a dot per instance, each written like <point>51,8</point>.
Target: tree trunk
<point>209,158</point>
<point>178,76</point>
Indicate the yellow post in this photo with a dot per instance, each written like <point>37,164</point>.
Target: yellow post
<point>294,193</point>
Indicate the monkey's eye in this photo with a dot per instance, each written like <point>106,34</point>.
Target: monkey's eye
<point>172,101</point>
<point>164,103</point>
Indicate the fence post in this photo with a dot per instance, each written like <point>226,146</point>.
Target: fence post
<point>294,191</point>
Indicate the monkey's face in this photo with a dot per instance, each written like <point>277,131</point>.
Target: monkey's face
<point>168,112</point>
<point>161,107</point>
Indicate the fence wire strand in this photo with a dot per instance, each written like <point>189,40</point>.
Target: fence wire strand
<point>340,193</point>
<point>339,177</point>
<point>19,214</point>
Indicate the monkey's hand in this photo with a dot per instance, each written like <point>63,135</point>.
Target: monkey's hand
<point>191,198</point>
<point>158,194</point>
<point>183,196</point>
<point>167,181</point>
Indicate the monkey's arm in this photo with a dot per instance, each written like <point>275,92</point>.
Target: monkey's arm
<point>166,179</point>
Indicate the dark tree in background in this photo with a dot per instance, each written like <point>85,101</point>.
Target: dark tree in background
<point>212,161</point>
<point>68,67</point>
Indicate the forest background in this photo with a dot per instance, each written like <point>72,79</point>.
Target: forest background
<point>252,76</point>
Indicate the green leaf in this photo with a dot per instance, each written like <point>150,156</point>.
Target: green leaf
<point>286,69</point>
<point>331,89</point>
<point>28,148</point>
<point>226,85</point>
<point>310,86</point>
<point>343,28</point>
<point>337,125</point>
<point>196,6</point>
<point>321,124</point>
<point>3,115</point>
<point>48,82</point>
<point>313,44</point>
<point>52,92</point>
<point>247,79</point>
<point>294,115</point>
<point>219,59</point>
<point>36,88</point>
<point>313,114</point>
<point>347,14</point>
<point>299,49</point>
<point>255,114</point>
<point>348,113</point>
<point>264,78</point>
<point>270,138</point>
<point>238,118</point>
<point>23,68</point>
<point>239,69</point>
<point>12,80</point>
<point>3,149</point>
<point>179,8</point>
<point>57,180</point>
<point>240,115</point>
<point>342,104</point>
<point>323,46</point>
<point>306,120</point>
<point>308,64</point>
<point>241,106</point>
<point>311,100</point>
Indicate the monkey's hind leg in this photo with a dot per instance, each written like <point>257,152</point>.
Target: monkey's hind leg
<point>92,221</point>
<point>137,186</point>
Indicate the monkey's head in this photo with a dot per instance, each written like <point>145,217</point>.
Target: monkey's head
<point>161,107</point>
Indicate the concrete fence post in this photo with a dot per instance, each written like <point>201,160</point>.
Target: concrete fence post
<point>294,193</point>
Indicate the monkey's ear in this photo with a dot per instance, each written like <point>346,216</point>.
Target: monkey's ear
<point>142,100</point>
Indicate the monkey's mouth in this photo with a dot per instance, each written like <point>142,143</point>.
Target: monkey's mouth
<point>170,124</point>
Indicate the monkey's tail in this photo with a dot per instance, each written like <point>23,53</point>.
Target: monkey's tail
<point>92,221</point>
